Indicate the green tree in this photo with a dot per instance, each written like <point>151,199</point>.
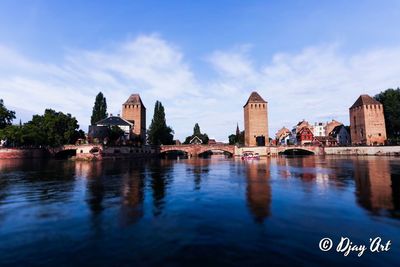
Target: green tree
<point>13,134</point>
<point>390,100</point>
<point>197,132</point>
<point>159,133</point>
<point>6,116</point>
<point>115,133</point>
<point>99,109</point>
<point>236,139</point>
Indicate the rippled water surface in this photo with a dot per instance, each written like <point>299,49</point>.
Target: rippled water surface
<point>202,212</point>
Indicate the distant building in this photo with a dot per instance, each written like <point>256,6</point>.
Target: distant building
<point>319,129</point>
<point>342,135</point>
<point>177,142</point>
<point>134,111</point>
<point>301,125</point>
<point>330,126</point>
<point>367,122</point>
<point>101,129</point>
<point>282,137</point>
<point>304,136</point>
<point>195,141</point>
<point>325,141</point>
<point>256,121</point>
<point>212,142</point>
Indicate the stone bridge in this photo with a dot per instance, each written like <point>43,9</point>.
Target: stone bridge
<point>316,150</point>
<point>195,150</point>
<point>55,150</point>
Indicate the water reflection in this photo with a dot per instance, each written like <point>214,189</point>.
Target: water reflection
<point>377,188</point>
<point>199,169</point>
<point>258,191</point>
<point>160,172</point>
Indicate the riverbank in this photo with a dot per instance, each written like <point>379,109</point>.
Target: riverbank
<point>22,153</point>
<point>317,150</point>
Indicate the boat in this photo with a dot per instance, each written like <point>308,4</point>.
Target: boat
<point>249,155</point>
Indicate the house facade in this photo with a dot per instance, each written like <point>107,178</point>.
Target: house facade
<point>304,136</point>
<point>342,135</point>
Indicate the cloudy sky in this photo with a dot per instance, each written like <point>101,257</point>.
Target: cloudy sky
<point>201,59</point>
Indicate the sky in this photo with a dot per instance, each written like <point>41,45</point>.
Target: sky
<point>202,59</point>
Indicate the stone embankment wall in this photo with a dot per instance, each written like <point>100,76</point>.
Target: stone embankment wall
<point>364,150</point>
<point>355,150</point>
<point>93,152</point>
<point>18,153</point>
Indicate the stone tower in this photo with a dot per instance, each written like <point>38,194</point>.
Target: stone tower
<point>134,111</point>
<point>256,121</point>
<point>367,122</point>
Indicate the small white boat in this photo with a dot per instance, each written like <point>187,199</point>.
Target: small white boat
<point>248,155</point>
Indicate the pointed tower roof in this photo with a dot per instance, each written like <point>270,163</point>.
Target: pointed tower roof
<point>134,99</point>
<point>365,100</point>
<point>255,98</point>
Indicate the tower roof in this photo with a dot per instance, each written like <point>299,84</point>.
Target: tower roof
<point>255,98</point>
<point>134,99</point>
<point>365,100</point>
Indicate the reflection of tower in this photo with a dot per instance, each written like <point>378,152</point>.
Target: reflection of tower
<point>256,121</point>
<point>374,184</point>
<point>132,195</point>
<point>259,189</point>
<point>134,111</point>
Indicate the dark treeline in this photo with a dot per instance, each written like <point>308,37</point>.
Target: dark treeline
<point>390,100</point>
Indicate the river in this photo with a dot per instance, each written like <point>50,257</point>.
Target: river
<point>198,212</point>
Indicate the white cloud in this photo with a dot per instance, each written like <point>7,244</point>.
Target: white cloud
<point>317,83</point>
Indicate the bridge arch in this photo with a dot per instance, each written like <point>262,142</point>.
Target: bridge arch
<point>296,151</point>
<point>204,150</point>
<point>65,153</point>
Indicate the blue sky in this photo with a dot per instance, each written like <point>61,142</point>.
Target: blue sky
<point>308,59</point>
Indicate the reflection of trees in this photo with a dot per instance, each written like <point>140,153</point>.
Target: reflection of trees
<point>47,180</point>
<point>376,188</point>
<point>198,167</point>
<point>258,189</point>
<point>93,172</point>
<point>160,180</point>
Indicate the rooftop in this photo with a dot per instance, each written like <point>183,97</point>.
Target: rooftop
<point>134,99</point>
<point>255,98</point>
<point>365,100</point>
<point>114,121</point>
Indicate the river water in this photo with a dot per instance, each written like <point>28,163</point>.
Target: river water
<point>198,212</point>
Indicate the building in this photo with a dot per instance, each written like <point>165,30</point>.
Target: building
<point>256,121</point>
<point>282,137</point>
<point>134,112</point>
<point>325,141</point>
<point>195,141</point>
<point>367,122</point>
<point>301,125</point>
<point>101,129</point>
<point>342,135</point>
<point>319,129</point>
<point>304,136</point>
<point>331,125</point>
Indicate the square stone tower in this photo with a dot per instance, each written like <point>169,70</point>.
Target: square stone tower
<point>367,122</point>
<point>256,121</point>
<point>134,111</point>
